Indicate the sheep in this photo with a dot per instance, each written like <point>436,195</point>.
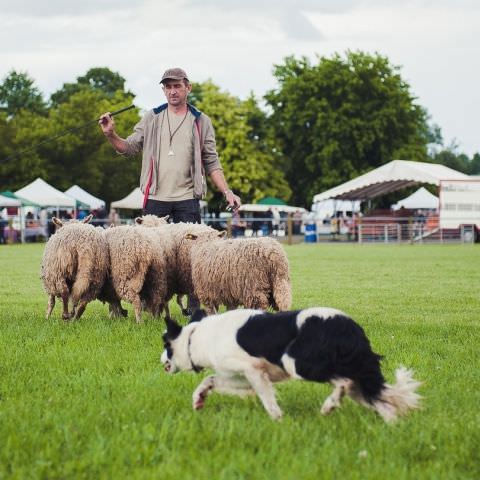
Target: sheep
<point>74,266</point>
<point>141,267</point>
<point>181,276</point>
<point>249,272</point>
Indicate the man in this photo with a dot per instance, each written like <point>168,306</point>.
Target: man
<point>178,143</point>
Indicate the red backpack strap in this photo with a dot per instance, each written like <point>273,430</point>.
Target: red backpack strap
<point>149,184</point>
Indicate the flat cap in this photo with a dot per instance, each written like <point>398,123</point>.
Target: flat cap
<point>174,74</point>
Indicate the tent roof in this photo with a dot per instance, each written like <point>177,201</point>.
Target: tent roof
<point>134,201</point>
<point>42,193</point>
<point>9,202</point>
<point>86,198</point>
<point>255,207</point>
<point>392,176</point>
<point>271,201</point>
<point>23,202</point>
<point>421,198</point>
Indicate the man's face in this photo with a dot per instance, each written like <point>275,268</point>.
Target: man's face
<point>176,92</point>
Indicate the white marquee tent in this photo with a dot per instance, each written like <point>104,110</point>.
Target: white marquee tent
<point>421,199</point>
<point>134,201</point>
<point>9,202</point>
<point>44,195</point>
<point>83,196</point>
<point>392,176</point>
<point>257,207</point>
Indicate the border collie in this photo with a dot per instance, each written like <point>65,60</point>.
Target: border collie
<point>251,349</point>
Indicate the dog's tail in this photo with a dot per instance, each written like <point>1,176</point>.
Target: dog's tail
<point>398,399</point>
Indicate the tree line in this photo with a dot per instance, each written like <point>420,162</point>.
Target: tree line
<point>326,122</point>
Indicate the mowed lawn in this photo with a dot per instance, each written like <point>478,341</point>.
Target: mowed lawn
<point>90,400</point>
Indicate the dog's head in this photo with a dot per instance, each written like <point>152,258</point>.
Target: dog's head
<point>171,344</point>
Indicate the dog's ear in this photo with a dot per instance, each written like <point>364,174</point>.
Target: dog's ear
<point>173,329</point>
<point>197,315</point>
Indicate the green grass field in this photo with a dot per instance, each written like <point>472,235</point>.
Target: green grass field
<point>90,400</point>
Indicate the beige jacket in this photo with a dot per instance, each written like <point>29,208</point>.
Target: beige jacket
<point>146,135</point>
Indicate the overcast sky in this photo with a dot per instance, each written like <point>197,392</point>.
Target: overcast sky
<point>236,44</point>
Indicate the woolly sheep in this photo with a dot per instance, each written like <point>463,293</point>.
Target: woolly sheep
<point>74,265</point>
<point>181,275</point>
<point>141,267</point>
<point>249,272</point>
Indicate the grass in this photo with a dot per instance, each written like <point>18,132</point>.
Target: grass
<point>90,400</point>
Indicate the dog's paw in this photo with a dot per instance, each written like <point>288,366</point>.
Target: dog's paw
<point>276,414</point>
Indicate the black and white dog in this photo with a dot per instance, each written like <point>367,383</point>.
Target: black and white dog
<point>250,349</point>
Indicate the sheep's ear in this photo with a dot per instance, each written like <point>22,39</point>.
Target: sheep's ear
<point>173,329</point>
<point>112,225</point>
<point>197,315</point>
<point>139,220</point>
<point>190,236</point>
<point>222,234</point>
<point>88,218</point>
<point>57,222</point>
<point>165,218</point>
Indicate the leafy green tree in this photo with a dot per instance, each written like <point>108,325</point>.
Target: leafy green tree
<point>245,146</point>
<point>18,92</point>
<point>100,79</point>
<point>342,117</point>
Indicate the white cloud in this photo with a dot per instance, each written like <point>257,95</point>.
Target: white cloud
<point>236,44</point>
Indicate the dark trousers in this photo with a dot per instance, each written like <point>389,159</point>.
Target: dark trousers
<point>181,211</point>
<point>187,211</point>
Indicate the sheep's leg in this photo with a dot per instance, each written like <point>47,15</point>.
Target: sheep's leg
<point>259,302</point>
<point>211,308</point>
<point>115,309</point>
<point>80,308</point>
<point>185,310</point>
<point>137,304</point>
<point>264,389</point>
<point>167,312</point>
<point>65,315</point>
<point>50,305</point>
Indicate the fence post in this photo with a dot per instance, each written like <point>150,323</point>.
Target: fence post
<point>385,233</point>
<point>399,233</point>
<point>359,232</point>
<point>229,227</point>
<point>289,228</point>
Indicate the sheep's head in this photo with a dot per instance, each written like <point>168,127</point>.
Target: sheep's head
<point>206,236</point>
<point>60,224</point>
<point>151,221</point>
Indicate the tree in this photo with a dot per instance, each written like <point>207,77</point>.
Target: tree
<point>342,117</point>
<point>244,145</point>
<point>18,92</point>
<point>100,79</point>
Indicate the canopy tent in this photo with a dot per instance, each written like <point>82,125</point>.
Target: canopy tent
<point>45,195</point>
<point>255,207</point>
<point>23,202</point>
<point>134,201</point>
<point>392,176</point>
<point>9,202</point>
<point>271,201</point>
<point>87,199</point>
<point>327,208</point>
<point>421,199</point>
